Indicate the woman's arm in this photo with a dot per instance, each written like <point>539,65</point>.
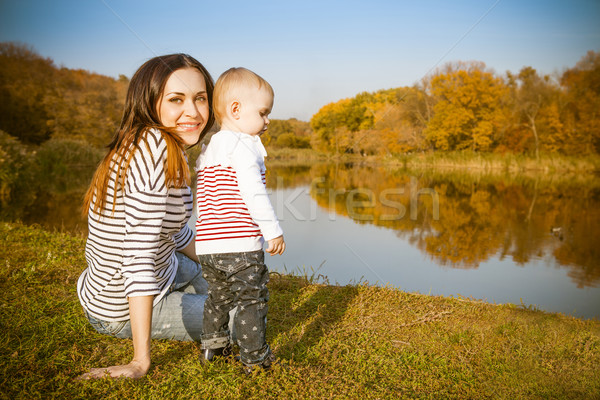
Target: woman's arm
<point>145,207</point>
<point>140,311</point>
<point>190,251</point>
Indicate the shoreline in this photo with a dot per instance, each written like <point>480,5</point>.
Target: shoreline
<point>461,161</point>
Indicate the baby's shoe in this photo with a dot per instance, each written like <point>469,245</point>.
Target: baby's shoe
<point>265,365</point>
<point>209,355</point>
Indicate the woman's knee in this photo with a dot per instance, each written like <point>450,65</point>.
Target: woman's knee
<point>189,276</point>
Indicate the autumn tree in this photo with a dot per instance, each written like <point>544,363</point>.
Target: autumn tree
<point>39,101</point>
<point>323,124</point>
<point>332,123</point>
<point>87,106</point>
<point>418,105</point>
<point>535,102</point>
<point>581,114</point>
<point>25,87</point>
<point>468,110</point>
<point>397,125</point>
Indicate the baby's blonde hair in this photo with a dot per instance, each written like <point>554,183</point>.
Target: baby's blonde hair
<point>229,85</point>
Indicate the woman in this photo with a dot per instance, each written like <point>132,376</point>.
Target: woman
<point>138,284</point>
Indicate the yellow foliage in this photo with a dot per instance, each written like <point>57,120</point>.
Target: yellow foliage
<point>468,111</point>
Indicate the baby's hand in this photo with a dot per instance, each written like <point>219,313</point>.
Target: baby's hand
<point>276,246</point>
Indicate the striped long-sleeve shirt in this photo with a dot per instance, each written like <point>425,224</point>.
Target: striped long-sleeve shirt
<point>234,211</point>
<point>132,252</point>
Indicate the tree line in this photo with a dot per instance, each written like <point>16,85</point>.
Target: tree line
<point>40,101</point>
<point>461,106</point>
<point>465,106</point>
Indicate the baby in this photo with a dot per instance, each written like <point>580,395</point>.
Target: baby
<point>235,217</point>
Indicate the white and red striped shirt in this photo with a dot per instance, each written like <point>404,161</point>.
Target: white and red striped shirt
<point>234,211</point>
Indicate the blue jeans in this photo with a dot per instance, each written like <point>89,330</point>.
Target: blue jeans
<point>237,279</point>
<point>178,315</point>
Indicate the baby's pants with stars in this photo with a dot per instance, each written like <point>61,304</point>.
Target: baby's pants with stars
<point>236,279</point>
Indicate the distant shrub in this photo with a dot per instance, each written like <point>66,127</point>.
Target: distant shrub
<point>17,173</point>
<point>292,141</point>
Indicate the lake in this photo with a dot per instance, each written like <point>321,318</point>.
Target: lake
<point>528,240</point>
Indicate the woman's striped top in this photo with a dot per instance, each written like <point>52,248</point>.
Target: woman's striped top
<point>132,252</point>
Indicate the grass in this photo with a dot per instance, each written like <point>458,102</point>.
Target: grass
<point>295,155</point>
<point>507,162</point>
<point>348,342</point>
<point>455,160</point>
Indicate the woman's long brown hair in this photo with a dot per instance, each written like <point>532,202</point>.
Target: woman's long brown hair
<point>145,90</point>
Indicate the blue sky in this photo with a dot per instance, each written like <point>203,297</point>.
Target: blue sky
<point>312,52</point>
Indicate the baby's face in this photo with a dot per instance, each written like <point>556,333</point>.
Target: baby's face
<point>254,110</point>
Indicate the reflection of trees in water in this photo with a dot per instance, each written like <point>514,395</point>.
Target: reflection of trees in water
<point>288,176</point>
<point>47,181</point>
<point>479,216</point>
<point>579,245</point>
<point>60,211</point>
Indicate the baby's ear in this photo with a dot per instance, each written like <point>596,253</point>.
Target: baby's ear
<point>235,109</point>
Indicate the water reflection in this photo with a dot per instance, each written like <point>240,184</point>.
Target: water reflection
<point>461,220</point>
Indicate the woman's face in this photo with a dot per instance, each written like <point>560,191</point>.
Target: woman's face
<point>184,104</point>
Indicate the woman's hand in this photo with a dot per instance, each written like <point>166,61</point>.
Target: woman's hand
<point>140,316</point>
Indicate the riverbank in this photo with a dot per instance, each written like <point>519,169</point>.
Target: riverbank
<point>466,161</point>
<point>354,341</point>
<point>507,162</point>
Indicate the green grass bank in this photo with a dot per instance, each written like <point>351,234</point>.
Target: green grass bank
<point>466,161</point>
<point>335,342</point>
